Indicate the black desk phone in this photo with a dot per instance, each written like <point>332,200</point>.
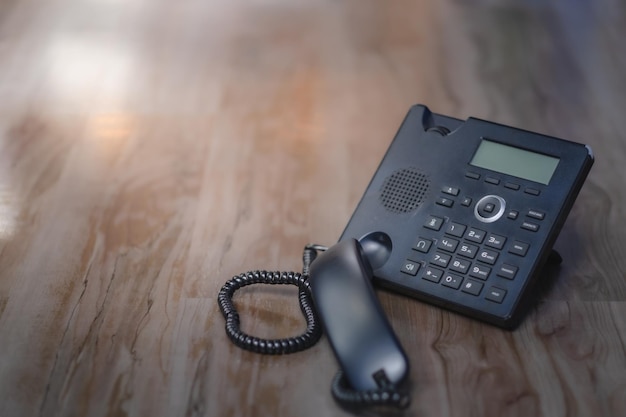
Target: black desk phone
<point>462,215</point>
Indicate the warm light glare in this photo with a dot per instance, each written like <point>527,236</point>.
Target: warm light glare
<point>84,70</point>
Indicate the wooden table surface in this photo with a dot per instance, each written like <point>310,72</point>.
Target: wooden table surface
<point>150,150</point>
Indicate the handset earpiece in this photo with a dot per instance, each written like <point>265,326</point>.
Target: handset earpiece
<point>364,343</point>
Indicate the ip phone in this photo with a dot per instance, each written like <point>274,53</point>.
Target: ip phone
<point>464,214</point>
<point>459,214</point>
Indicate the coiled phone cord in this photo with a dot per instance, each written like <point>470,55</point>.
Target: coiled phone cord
<point>387,395</point>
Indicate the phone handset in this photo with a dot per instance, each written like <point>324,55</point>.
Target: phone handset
<point>337,283</point>
<point>360,335</point>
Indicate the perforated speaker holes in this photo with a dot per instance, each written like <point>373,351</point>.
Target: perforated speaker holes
<point>404,190</point>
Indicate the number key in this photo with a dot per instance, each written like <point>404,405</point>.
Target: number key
<point>480,271</point>
<point>495,241</point>
<point>467,250</point>
<point>441,259</point>
<point>488,256</point>
<point>460,265</point>
<point>475,235</point>
<point>455,229</point>
<point>448,244</point>
<point>452,281</point>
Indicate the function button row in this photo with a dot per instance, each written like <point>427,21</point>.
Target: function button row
<point>496,181</point>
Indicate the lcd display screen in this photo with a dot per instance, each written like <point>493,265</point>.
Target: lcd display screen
<point>514,161</point>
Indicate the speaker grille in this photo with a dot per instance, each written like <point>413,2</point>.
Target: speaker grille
<point>404,190</point>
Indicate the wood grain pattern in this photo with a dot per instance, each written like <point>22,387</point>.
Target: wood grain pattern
<point>150,150</point>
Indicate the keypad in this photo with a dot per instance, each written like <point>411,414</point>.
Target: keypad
<point>466,257</point>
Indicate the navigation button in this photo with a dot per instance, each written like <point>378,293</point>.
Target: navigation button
<point>489,208</point>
